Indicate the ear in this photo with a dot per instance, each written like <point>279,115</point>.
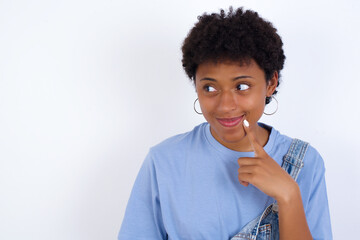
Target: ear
<point>272,84</point>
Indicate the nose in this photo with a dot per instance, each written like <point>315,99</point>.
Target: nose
<point>227,102</point>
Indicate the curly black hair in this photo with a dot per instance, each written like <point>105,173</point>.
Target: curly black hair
<point>237,36</point>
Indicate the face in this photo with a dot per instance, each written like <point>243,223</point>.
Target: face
<point>229,93</point>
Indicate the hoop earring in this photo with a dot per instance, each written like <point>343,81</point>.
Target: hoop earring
<point>277,105</point>
<point>195,107</point>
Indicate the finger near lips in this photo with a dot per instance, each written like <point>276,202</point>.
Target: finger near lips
<point>247,165</point>
<point>249,130</point>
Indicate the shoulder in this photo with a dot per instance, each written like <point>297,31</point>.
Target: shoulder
<point>282,145</point>
<point>314,158</point>
<point>174,155</point>
<point>180,144</point>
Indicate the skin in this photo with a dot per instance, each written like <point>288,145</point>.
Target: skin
<point>230,90</point>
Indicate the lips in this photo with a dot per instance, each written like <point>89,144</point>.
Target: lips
<point>230,122</point>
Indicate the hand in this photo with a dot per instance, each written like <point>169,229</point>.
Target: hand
<point>264,172</point>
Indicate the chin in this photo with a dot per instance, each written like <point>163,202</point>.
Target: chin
<point>233,137</point>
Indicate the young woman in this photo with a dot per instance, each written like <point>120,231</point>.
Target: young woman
<point>231,177</point>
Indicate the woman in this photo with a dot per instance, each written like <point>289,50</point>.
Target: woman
<point>231,177</point>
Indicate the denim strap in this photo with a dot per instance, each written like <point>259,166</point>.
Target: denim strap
<point>293,160</point>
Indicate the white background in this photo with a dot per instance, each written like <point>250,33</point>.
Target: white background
<point>86,87</point>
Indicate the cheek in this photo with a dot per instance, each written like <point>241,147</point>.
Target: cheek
<point>254,102</point>
<point>207,105</point>
<point>256,108</point>
<point>248,103</point>
<point>253,105</point>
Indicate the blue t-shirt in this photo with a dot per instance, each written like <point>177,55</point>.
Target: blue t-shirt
<point>188,188</point>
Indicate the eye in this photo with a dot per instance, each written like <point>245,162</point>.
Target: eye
<point>209,89</point>
<point>242,86</point>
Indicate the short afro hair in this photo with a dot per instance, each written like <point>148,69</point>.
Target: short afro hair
<point>237,36</point>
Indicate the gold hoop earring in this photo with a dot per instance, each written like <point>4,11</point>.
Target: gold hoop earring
<point>277,105</point>
<point>195,107</point>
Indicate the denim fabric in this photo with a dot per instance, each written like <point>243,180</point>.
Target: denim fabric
<point>266,226</point>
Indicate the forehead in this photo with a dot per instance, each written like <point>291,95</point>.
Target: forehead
<point>229,69</point>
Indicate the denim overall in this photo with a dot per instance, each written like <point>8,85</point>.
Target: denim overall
<point>266,226</point>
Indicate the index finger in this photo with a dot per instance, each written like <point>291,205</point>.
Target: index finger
<point>250,133</point>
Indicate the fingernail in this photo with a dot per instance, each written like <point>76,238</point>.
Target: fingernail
<point>246,123</point>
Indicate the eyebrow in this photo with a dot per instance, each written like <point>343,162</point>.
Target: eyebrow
<point>214,80</point>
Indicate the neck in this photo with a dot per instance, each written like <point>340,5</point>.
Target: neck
<point>244,145</point>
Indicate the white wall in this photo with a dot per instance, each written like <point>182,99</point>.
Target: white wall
<point>86,87</point>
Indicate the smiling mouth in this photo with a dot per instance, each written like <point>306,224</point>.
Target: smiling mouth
<point>230,122</point>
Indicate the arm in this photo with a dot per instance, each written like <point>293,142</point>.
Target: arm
<point>143,218</point>
<point>315,199</point>
<point>292,220</point>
